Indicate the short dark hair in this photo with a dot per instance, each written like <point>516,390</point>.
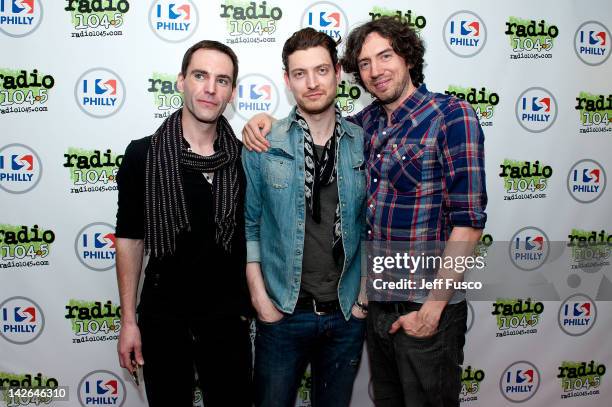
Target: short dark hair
<point>309,38</point>
<point>404,40</point>
<point>215,45</point>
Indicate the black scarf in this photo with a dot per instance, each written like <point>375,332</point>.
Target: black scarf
<point>166,209</point>
<point>321,172</point>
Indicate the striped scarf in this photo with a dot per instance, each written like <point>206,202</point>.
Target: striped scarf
<point>166,209</point>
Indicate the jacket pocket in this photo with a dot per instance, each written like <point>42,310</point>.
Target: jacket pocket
<point>277,168</point>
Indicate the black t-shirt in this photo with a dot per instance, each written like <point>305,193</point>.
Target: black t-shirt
<point>200,278</point>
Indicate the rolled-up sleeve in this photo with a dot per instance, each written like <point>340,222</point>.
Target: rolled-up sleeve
<point>464,167</point>
<point>252,205</point>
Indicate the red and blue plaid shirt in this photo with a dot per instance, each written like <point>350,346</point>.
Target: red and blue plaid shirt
<point>425,168</point>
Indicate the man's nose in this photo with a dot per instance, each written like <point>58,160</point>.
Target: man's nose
<point>375,69</point>
<point>311,80</point>
<point>210,86</point>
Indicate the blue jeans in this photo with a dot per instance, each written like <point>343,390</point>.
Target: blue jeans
<point>283,349</point>
<point>410,371</point>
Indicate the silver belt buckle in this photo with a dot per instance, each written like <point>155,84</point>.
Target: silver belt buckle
<point>314,306</point>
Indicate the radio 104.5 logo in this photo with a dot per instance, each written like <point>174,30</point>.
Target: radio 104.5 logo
<point>409,17</point>
<point>250,22</point>
<point>93,321</point>
<point>525,179</point>
<point>595,112</point>
<point>347,96</point>
<point>23,246</point>
<point>530,38</point>
<point>92,170</point>
<point>517,316</point>
<point>97,18</point>
<point>580,379</point>
<point>24,91</point>
<point>471,379</point>
<point>589,249</point>
<point>166,96</point>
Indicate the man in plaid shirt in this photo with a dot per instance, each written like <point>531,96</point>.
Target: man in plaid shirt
<point>425,183</point>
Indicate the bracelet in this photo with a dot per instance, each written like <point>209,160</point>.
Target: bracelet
<point>363,307</point>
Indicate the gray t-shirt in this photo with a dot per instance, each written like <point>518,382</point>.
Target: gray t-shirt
<point>320,275</point>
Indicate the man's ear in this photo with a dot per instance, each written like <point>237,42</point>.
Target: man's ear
<point>231,100</point>
<point>286,78</point>
<point>338,69</point>
<point>180,79</point>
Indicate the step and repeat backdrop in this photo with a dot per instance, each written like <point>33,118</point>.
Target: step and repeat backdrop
<point>79,79</point>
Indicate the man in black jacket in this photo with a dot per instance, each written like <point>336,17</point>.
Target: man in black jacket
<point>181,197</point>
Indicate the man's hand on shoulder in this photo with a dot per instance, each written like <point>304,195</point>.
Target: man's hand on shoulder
<point>255,131</point>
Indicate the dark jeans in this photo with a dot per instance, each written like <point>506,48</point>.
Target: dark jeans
<point>419,372</point>
<point>283,349</point>
<point>218,347</point>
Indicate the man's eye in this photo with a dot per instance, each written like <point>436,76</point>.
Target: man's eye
<point>298,74</point>
<point>363,65</point>
<point>223,81</point>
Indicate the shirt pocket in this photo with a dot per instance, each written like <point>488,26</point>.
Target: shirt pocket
<point>405,166</point>
<point>277,168</point>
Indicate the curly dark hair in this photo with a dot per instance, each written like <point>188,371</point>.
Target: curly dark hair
<point>404,40</point>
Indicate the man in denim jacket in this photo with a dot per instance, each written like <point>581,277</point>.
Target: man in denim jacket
<point>304,216</point>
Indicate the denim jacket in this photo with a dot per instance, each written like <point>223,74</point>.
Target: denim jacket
<point>275,211</point>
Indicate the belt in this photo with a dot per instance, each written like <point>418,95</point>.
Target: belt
<point>318,307</point>
<point>399,307</point>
